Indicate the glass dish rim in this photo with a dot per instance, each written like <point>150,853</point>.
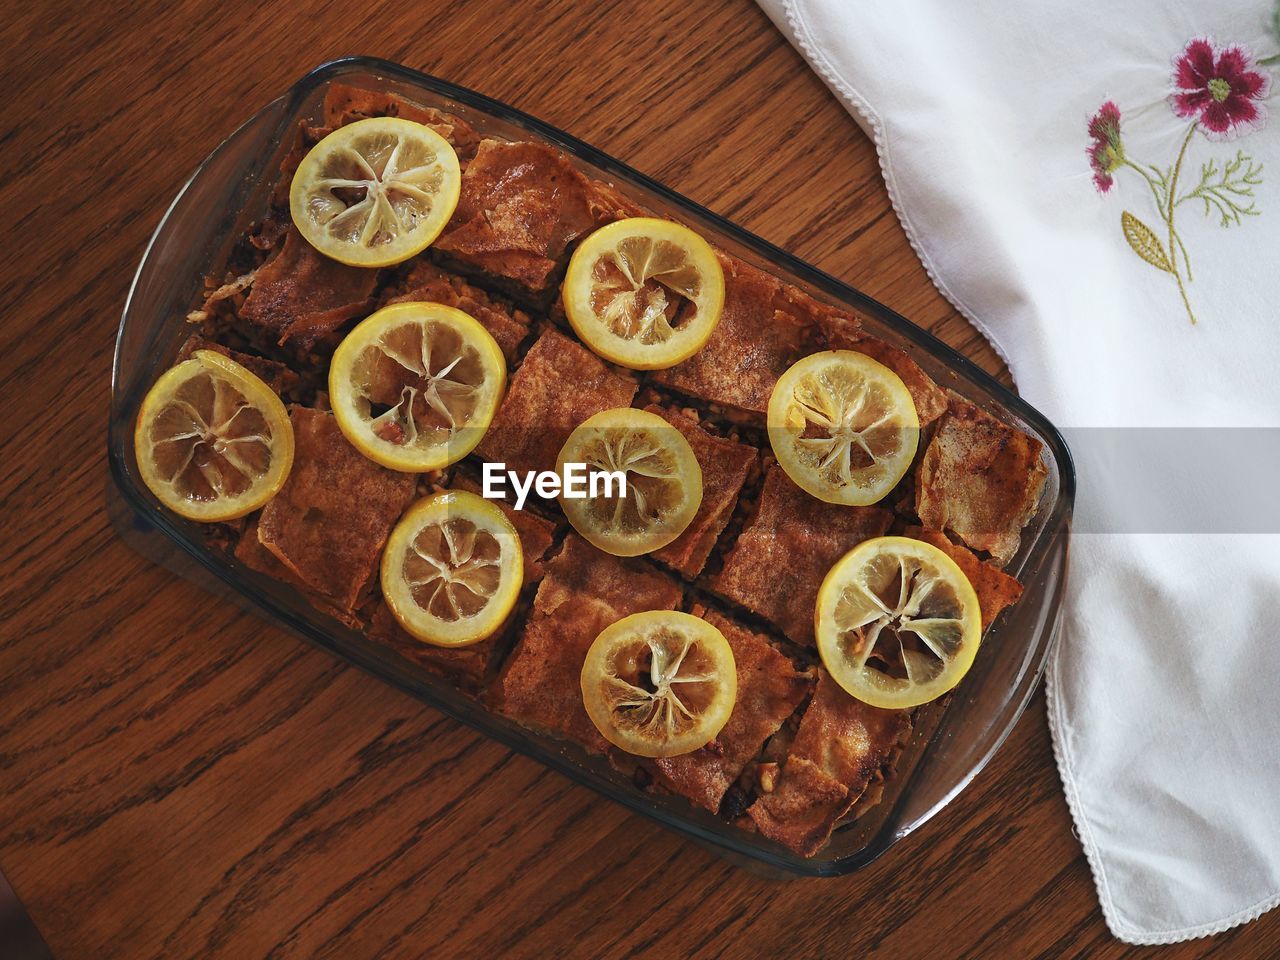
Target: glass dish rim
<point>1056,515</point>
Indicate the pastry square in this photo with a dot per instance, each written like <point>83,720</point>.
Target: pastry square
<point>726,465</point>
<point>760,334</point>
<point>345,104</point>
<point>522,207</point>
<point>584,591</point>
<point>844,332</point>
<point>300,297</point>
<point>995,588</point>
<point>557,386</point>
<point>537,533</point>
<point>329,522</point>
<point>273,373</point>
<point>250,551</point>
<point>980,479</point>
<point>426,281</point>
<point>769,690</point>
<point>839,747</point>
<point>468,666</point>
<point>929,398</point>
<point>782,555</point>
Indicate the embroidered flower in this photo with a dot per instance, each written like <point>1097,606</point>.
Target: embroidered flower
<point>1106,152</point>
<point>1220,89</point>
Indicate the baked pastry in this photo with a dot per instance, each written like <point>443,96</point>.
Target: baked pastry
<point>798,756</point>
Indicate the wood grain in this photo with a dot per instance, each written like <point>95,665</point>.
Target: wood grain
<point>178,779</point>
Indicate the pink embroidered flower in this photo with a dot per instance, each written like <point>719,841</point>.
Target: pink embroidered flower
<point>1219,89</point>
<point>1106,152</point>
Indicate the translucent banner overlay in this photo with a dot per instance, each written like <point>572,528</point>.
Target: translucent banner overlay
<point>1176,479</point>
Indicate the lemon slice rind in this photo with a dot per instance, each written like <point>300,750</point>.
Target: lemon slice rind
<point>375,192</point>
<point>663,477</point>
<point>483,569</point>
<point>463,385</point>
<point>629,280</point>
<point>843,426</point>
<point>689,694</point>
<point>889,587</point>
<point>224,374</point>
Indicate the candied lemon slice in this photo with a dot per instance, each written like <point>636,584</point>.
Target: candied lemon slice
<point>213,442</point>
<point>897,622</point>
<point>452,569</point>
<point>375,192</point>
<point>415,386</point>
<point>659,683</point>
<point>843,426</point>
<point>644,293</point>
<point>661,475</point>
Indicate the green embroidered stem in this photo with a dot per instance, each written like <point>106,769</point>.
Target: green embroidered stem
<point>1268,61</point>
<point>1175,242</point>
<point>1155,188</point>
<point>1186,260</point>
<point>1183,291</point>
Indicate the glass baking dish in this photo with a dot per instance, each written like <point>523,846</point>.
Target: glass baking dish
<point>951,741</point>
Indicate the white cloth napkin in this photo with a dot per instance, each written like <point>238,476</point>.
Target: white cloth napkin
<point>1050,234</point>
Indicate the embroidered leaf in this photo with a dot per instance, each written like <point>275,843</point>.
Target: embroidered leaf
<point>1144,242</point>
<point>1228,190</point>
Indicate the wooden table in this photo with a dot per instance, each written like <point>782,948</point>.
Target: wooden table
<point>178,779</point>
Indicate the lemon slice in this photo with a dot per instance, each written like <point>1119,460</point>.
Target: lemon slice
<point>213,442</point>
<point>843,427</point>
<point>644,293</point>
<point>415,386</point>
<point>452,569</point>
<point>663,481</point>
<point>898,623</point>
<point>660,683</point>
<point>375,192</point>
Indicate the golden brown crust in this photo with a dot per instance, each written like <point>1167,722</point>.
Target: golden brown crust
<point>995,588</point>
<point>469,665</point>
<point>250,551</point>
<point>929,398</point>
<point>427,282</point>
<point>782,555</point>
<point>838,749</point>
<point>305,136</point>
<point>559,385</point>
<point>769,690</point>
<point>760,334</point>
<point>802,809</point>
<point>301,296</point>
<point>522,205</point>
<point>344,104</point>
<point>329,522</point>
<point>607,204</point>
<point>725,467</point>
<point>791,773</point>
<point>537,533</point>
<point>583,592</point>
<point>980,479</point>
<point>846,738</point>
<point>844,332</point>
<point>273,373</point>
